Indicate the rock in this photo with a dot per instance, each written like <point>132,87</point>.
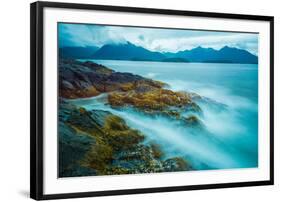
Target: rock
<point>99,156</point>
<point>138,160</point>
<point>99,116</point>
<point>72,147</point>
<point>87,79</point>
<point>193,121</point>
<point>77,170</point>
<point>156,102</point>
<point>119,135</point>
<point>97,142</point>
<point>156,99</point>
<point>176,164</point>
<point>80,119</point>
<point>193,107</point>
<point>156,151</point>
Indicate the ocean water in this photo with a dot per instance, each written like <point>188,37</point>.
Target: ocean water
<point>231,136</point>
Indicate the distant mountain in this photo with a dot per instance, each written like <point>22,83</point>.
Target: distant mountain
<point>127,51</point>
<point>73,52</point>
<point>224,55</point>
<point>171,59</point>
<point>198,54</point>
<point>236,55</point>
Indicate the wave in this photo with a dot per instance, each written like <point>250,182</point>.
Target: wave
<point>212,91</point>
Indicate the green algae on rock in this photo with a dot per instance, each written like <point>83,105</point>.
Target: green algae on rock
<point>160,101</point>
<point>156,99</point>
<point>103,144</point>
<point>86,79</point>
<point>97,142</point>
<point>193,120</point>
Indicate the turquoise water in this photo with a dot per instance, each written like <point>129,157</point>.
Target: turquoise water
<point>231,136</point>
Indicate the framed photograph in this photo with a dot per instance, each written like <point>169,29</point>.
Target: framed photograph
<point>131,100</point>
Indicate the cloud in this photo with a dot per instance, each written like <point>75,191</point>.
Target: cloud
<point>164,40</point>
<point>87,35</point>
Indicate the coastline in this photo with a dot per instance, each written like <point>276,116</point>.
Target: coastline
<point>110,145</point>
<point>181,122</point>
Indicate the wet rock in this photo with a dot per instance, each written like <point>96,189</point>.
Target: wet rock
<point>176,164</point>
<point>156,151</point>
<point>72,147</point>
<point>193,121</point>
<point>159,102</point>
<point>138,160</point>
<point>97,142</point>
<point>87,79</point>
<point>158,99</point>
<point>77,170</point>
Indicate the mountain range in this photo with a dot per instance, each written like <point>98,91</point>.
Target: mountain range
<point>75,52</point>
<point>129,51</point>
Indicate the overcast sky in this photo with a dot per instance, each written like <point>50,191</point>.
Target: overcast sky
<point>163,40</point>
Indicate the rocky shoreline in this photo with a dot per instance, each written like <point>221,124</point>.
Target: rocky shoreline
<point>97,142</point>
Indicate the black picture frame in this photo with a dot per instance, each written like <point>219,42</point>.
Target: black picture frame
<point>37,101</point>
